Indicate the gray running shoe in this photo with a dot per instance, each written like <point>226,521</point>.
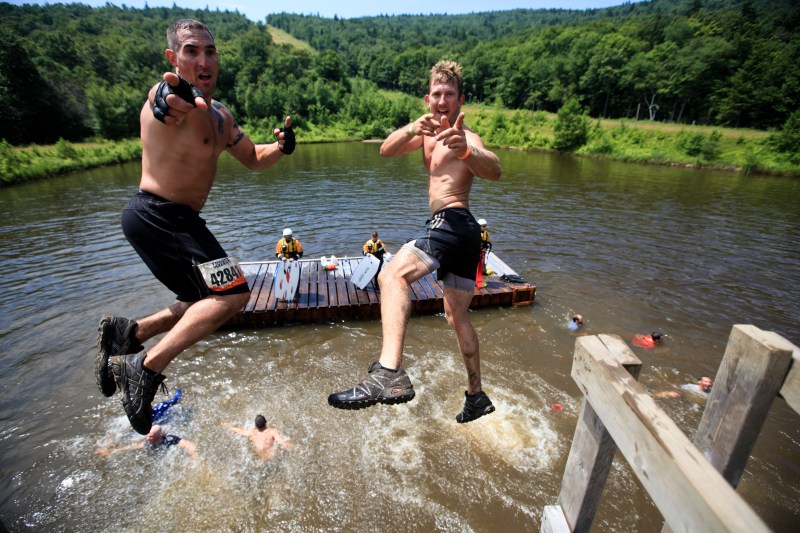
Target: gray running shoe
<point>138,386</point>
<point>475,406</point>
<point>380,386</point>
<point>115,336</point>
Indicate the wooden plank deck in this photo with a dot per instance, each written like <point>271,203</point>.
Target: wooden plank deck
<point>329,295</point>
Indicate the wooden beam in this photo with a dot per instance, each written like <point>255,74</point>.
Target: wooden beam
<point>749,377</point>
<point>592,450</point>
<point>553,520</point>
<point>790,391</point>
<point>689,492</point>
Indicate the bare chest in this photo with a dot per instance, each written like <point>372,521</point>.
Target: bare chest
<point>209,133</point>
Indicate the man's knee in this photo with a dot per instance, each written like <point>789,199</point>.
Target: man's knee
<point>235,302</point>
<point>388,277</point>
<point>450,320</point>
<point>241,300</point>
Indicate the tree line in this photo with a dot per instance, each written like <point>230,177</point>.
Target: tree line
<point>729,63</point>
<point>76,72</point>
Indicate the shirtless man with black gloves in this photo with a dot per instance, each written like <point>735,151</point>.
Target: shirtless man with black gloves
<point>184,131</point>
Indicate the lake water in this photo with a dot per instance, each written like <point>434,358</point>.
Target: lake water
<point>633,248</point>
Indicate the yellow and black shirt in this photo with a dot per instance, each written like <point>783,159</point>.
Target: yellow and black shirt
<point>290,249</point>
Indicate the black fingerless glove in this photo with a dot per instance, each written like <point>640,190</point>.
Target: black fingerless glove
<point>289,141</point>
<point>184,89</point>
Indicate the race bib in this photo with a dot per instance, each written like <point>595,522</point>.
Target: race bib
<point>222,274</point>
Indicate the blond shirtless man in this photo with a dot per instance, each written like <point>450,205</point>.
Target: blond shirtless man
<point>184,131</point>
<point>453,155</point>
<point>266,440</point>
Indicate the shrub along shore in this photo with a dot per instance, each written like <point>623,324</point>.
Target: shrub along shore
<point>738,150</point>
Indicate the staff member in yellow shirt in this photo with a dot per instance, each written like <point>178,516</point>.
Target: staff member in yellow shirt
<point>288,246</point>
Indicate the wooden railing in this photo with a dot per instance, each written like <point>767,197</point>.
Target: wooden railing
<point>692,484</point>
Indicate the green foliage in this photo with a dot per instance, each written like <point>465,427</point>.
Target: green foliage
<point>23,164</point>
<point>730,62</point>
<point>600,141</point>
<point>571,129</point>
<point>84,72</point>
<point>9,162</point>
<point>115,110</point>
<point>700,146</point>
<point>787,141</point>
<point>31,100</point>
<point>66,150</point>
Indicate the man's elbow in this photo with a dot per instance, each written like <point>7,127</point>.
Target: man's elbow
<point>254,164</point>
<point>494,174</point>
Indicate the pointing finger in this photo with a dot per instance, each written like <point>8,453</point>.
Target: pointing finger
<point>459,121</point>
<point>171,78</point>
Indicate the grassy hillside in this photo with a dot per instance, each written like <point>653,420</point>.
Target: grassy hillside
<point>281,37</point>
<point>642,141</point>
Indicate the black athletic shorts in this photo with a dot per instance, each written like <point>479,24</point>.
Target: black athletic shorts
<point>172,239</point>
<point>453,237</point>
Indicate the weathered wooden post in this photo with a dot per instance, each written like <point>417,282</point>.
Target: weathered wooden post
<point>592,449</point>
<point>749,377</point>
<point>748,380</point>
<point>689,492</point>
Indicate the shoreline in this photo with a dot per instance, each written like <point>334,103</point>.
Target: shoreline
<point>20,165</point>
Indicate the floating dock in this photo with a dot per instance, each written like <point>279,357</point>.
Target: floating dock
<point>325,295</point>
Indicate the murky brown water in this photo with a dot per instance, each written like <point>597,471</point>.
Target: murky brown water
<point>632,248</point>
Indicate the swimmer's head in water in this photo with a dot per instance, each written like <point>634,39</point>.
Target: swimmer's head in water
<point>656,336</point>
<point>155,434</point>
<point>261,422</point>
<point>578,319</point>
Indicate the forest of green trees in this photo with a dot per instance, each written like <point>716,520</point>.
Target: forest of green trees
<point>727,62</point>
<point>74,72</point>
<point>80,72</point>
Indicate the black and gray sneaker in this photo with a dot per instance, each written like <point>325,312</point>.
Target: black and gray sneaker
<point>475,406</point>
<point>115,336</point>
<point>380,386</point>
<point>138,386</point>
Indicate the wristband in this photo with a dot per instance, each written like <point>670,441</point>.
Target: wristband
<point>466,154</point>
<point>411,130</point>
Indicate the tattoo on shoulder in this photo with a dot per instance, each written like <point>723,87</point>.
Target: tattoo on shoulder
<point>239,137</point>
<point>218,108</point>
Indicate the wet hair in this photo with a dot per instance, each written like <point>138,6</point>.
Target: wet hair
<point>183,24</point>
<point>448,72</point>
<point>656,336</point>
<point>261,422</point>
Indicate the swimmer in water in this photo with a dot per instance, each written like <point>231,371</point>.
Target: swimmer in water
<point>702,389</point>
<point>648,341</point>
<point>155,439</point>
<point>575,322</point>
<point>266,440</point>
